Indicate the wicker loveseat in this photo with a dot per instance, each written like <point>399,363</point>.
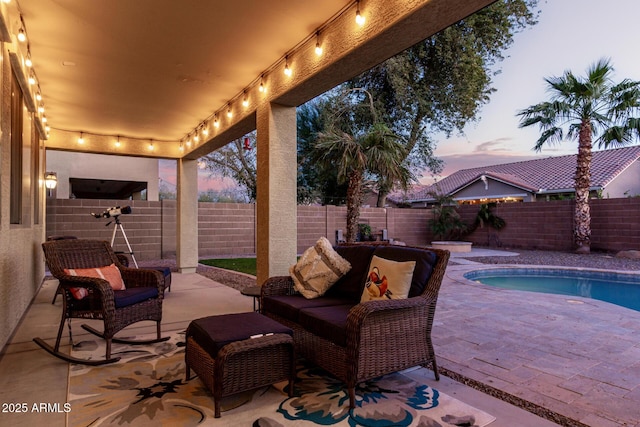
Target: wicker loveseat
<point>359,341</point>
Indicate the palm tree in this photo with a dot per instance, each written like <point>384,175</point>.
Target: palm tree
<point>354,150</point>
<point>591,107</point>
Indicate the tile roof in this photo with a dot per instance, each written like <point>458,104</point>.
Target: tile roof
<point>549,174</point>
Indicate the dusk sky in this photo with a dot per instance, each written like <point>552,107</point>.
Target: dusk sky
<point>570,35</point>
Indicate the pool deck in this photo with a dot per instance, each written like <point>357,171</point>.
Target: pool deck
<point>574,356</point>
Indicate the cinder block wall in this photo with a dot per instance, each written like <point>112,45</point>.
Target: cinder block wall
<point>228,229</point>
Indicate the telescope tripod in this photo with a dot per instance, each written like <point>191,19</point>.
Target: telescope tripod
<point>118,226</point>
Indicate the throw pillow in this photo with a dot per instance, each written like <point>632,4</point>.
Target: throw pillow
<point>387,279</point>
<point>109,273</point>
<point>318,268</point>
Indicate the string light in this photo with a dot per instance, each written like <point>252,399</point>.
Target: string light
<point>118,142</point>
<point>287,69</point>
<point>262,88</point>
<point>245,100</point>
<point>38,97</point>
<point>27,60</point>
<point>360,20</point>
<point>81,139</point>
<point>181,147</point>
<point>205,129</point>
<point>22,37</point>
<point>318,45</point>
<point>32,79</point>
<point>196,138</point>
<point>151,146</point>
<point>41,109</point>
<point>216,123</point>
<point>229,112</point>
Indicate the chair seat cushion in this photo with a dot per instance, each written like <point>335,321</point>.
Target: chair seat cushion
<point>329,323</point>
<point>133,296</point>
<point>214,332</point>
<point>289,306</point>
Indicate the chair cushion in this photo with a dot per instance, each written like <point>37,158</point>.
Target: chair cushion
<point>133,296</point>
<point>289,306</point>
<point>350,285</point>
<point>425,262</point>
<point>329,323</point>
<point>110,273</point>
<point>318,268</point>
<point>214,332</point>
<point>388,279</point>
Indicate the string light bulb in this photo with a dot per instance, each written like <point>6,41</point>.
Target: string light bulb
<point>196,138</point>
<point>181,147</point>
<point>216,123</point>
<point>205,129</point>
<point>287,69</point>
<point>245,100</point>
<point>318,45</point>
<point>32,79</point>
<point>118,142</point>
<point>229,112</point>
<point>38,96</point>
<point>151,146</point>
<point>81,139</point>
<point>262,88</point>
<point>27,60</point>
<point>22,37</point>
<point>360,20</point>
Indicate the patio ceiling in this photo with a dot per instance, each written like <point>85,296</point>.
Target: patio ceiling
<point>157,70</point>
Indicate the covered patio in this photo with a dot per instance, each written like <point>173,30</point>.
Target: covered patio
<point>176,81</point>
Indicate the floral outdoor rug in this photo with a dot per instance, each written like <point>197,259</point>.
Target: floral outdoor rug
<point>148,387</point>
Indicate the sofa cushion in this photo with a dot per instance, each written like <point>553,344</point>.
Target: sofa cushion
<point>328,322</point>
<point>350,286</point>
<point>388,279</point>
<point>425,262</point>
<point>318,268</point>
<point>289,306</point>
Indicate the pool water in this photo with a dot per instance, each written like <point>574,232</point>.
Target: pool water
<point>616,288</point>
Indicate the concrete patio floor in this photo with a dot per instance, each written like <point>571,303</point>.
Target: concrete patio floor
<point>577,357</point>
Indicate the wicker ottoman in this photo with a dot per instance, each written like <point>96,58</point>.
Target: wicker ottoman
<point>232,353</point>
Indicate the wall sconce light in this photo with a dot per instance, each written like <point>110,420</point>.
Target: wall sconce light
<point>51,180</point>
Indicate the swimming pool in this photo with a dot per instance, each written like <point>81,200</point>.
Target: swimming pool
<point>617,288</point>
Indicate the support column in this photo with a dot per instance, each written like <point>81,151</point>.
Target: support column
<point>187,216</point>
<point>277,227</point>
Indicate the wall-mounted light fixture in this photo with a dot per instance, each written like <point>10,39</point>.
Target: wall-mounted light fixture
<point>51,180</point>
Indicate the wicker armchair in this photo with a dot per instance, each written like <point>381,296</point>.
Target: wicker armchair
<point>381,336</point>
<point>142,299</point>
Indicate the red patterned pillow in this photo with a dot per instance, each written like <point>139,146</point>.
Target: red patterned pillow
<point>109,273</point>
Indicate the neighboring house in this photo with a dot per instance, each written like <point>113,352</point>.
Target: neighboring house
<point>614,173</point>
<point>100,176</point>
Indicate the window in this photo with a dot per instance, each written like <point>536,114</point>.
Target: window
<point>16,152</point>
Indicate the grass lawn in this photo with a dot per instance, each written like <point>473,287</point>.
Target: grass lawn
<point>243,265</point>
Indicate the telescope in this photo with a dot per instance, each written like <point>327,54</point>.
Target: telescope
<point>114,211</point>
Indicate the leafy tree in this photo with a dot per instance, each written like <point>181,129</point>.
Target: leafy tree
<point>440,85</point>
<point>237,161</point>
<point>355,148</point>
<point>584,109</point>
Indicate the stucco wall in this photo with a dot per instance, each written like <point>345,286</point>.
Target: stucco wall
<point>100,166</point>
<point>21,261</point>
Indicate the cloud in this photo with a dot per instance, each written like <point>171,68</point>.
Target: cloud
<point>492,145</point>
